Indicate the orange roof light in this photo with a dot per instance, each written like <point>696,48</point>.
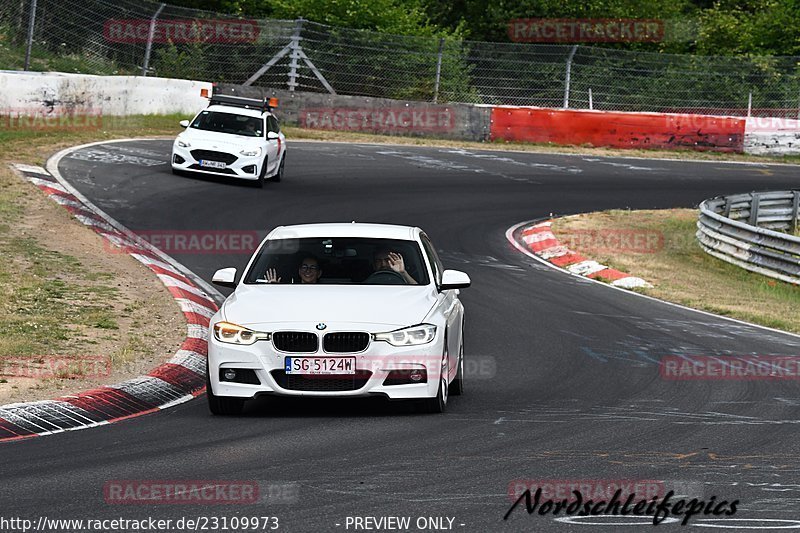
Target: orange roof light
<point>273,102</point>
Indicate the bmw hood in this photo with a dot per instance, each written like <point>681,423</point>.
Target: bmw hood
<point>259,305</point>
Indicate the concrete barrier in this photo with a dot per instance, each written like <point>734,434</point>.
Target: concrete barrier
<point>56,94</point>
<point>772,136</point>
<point>661,131</point>
<point>48,95</point>
<point>374,115</point>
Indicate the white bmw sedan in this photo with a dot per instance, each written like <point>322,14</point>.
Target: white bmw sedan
<point>339,310</point>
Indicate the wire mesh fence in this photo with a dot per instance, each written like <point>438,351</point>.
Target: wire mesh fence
<point>148,38</point>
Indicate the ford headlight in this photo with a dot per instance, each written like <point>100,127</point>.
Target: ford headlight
<point>251,152</point>
<point>182,143</point>
<point>235,334</point>
<point>421,334</point>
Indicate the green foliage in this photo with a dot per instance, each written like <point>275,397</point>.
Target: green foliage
<point>188,62</point>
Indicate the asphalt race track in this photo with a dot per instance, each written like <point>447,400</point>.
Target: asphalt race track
<point>563,384</point>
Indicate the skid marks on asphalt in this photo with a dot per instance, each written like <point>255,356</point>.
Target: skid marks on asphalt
<point>460,258</point>
<point>561,169</point>
<point>704,327</point>
<point>337,151</point>
<point>140,152</point>
<point>626,166</point>
<point>99,154</point>
<point>433,163</point>
<point>547,414</point>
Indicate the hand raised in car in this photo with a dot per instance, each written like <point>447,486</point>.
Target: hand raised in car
<point>396,262</point>
<point>272,276</point>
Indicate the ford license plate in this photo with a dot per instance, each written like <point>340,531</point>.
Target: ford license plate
<point>212,164</point>
<point>320,365</point>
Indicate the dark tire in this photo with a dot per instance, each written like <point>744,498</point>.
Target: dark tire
<point>438,404</point>
<point>279,174</point>
<point>222,405</point>
<point>259,183</point>
<point>457,386</point>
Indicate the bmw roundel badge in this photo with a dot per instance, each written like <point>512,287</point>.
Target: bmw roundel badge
<point>321,326</point>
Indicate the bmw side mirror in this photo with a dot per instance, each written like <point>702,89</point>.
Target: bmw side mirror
<point>454,279</point>
<point>225,277</point>
<point>184,123</point>
<point>272,135</point>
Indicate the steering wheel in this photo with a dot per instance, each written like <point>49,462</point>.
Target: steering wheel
<point>385,277</point>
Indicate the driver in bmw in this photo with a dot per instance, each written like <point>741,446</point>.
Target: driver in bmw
<point>390,260</point>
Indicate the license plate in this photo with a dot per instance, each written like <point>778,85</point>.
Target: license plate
<point>320,365</point>
<point>212,164</point>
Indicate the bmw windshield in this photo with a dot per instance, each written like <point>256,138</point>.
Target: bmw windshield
<point>339,260</point>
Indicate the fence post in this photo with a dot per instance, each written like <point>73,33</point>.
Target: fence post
<point>294,54</point>
<point>591,106</point>
<point>29,44</point>
<point>150,35</point>
<point>728,203</point>
<point>568,76</point>
<point>754,203</point>
<point>795,209</point>
<point>749,104</point>
<point>438,71</point>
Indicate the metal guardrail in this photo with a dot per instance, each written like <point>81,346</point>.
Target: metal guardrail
<point>741,230</point>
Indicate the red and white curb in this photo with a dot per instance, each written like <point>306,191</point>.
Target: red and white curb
<point>178,380</point>
<point>539,238</point>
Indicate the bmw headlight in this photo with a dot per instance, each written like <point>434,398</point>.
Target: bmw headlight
<point>421,334</point>
<point>182,143</point>
<point>251,152</point>
<point>235,334</point>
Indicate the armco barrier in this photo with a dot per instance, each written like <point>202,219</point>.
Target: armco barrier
<point>740,230</point>
<point>618,130</point>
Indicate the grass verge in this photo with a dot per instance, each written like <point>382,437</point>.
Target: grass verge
<point>660,247</point>
<point>64,299</point>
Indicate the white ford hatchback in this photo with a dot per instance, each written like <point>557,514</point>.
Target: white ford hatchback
<point>234,136</point>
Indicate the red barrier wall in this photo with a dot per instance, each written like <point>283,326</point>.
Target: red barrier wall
<point>619,130</point>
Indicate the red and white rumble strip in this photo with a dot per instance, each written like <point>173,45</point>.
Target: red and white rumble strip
<point>539,239</point>
<point>178,380</point>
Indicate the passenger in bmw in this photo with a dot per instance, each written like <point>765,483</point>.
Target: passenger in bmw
<point>391,260</point>
<point>309,271</point>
